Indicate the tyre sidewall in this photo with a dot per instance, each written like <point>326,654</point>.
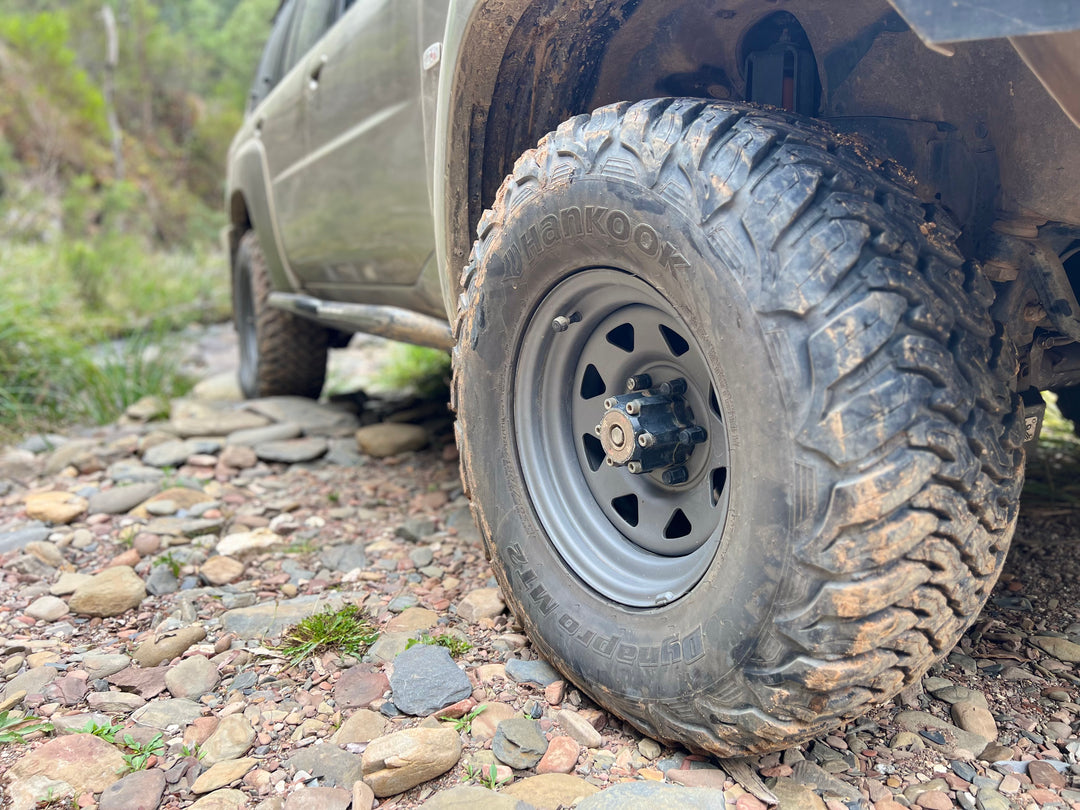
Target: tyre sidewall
<point>632,656</point>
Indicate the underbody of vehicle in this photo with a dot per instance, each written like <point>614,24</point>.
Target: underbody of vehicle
<point>751,306</point>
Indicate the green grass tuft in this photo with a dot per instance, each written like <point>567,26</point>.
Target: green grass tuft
<point>346,631</point>
<point>456,646</point>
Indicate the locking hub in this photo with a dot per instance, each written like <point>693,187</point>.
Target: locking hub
<point>650,429</point>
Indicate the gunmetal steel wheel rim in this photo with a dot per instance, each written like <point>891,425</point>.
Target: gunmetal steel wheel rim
<point>634,538</point>
<point>247,335</point>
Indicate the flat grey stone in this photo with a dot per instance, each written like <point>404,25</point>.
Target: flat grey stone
<point>519,743</point>
<point>121,499</point>
<point>292,451</point>
<point>332,765</point>
<point>343,558</point>
<point>653,796</point>
<point>426,679</point>
<point>167,454</point>
<point>538,672</point>
<point>314,418</point>
<point>270,433</point>
<point>128,471</point>
<point>270,619</point>
<point>161,714</point>
<point>136,790</point>
<point>20,537</point>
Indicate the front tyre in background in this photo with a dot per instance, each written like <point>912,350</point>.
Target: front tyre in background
<point>737,427</point>
<point>281,354</point>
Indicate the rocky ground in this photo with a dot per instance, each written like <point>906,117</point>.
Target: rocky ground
<point>150,568</point>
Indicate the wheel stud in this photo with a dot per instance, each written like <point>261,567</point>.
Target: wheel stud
<point>676,475</point>
<point>632,407</point>
<point>638,382</point>
<point>634,467</point>
<point>646,440</point>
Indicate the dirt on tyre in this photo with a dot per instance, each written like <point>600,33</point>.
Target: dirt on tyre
<point>737,428</point>
<point>281,354</point>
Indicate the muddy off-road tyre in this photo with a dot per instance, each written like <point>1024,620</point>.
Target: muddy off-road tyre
<point>838,483</point>
<point>281,354</point>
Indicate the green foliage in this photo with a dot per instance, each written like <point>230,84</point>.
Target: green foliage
<point>17,729</point>
<point>44,39</point>
<point>489,779</point>
<point>167,559</point>
<point>48,379</point>
<point>140,753</point>
<point>344,630</point>
<point>106,731</point>
<point>465,723</point>
<point>426,370</point>
<point>456,646</point>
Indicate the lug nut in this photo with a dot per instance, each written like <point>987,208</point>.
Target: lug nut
<point>646,440</point>
<point>598,430</point>
<point>609,404</point>
<point>638,382</point>
<point>676,475</point>
<point>632,407</point>
<point>674,388</point>
<point>692,435</point>
<point>634,467</point>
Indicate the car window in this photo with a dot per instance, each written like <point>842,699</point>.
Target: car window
<point>313,20</point>
<point>271,65</point>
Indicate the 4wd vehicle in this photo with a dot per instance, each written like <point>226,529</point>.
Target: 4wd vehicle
<point>753,333</point>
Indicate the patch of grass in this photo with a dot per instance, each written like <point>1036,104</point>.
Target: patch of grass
<point>346,631</point>
<point>456,646</point>
<point>48,379</point>
<point>427,371</point>
<point>465,723</point>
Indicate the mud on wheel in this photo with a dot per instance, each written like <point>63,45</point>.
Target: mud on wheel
<point>738,430</point>
<point>280,354</point>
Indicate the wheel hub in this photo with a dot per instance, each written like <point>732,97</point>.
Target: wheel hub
<point>650,429</point>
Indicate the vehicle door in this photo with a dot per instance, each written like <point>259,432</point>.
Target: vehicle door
<point>359,216</point>
<point>275,101</point>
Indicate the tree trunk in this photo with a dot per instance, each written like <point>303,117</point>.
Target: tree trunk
<point>112,57</point>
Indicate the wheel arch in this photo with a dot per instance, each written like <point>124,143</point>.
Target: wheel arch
<point>977,129</point>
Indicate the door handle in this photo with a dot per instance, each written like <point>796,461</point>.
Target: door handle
<point>316,71</point>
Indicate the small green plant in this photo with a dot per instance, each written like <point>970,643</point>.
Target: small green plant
<point>141,752</point>
<point>465,723</point>
<point>490,779</point>
<point>167,559</point>
<point>425,370</point>
<point>107,731</point>
<point>333,497</point>
<point>19,729</point>
<point>456,646</point>
<point>192,751</point>
<point>302,546</point>
<point>54,802</point>
<point>345,630</point>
